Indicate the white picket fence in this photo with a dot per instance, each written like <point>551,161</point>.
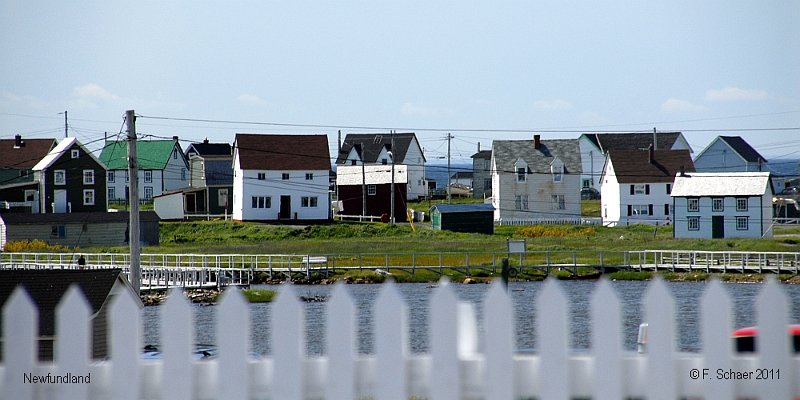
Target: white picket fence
<point>457,366</point>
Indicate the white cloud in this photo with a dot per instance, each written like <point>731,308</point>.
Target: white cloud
<point>94,91</point>
<point>731,93</point>
<point>552,105</point>
<point>677,105</point>
<point>251,99</point>
<point>414,110</point>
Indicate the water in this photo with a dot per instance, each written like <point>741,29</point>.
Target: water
<point>687,299</point>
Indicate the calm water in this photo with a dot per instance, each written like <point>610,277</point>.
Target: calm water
<point>687,298</point>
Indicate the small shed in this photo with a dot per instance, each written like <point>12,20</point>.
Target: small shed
<point>476,218</point>
<point>47,287</point>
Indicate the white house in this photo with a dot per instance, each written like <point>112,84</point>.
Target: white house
<point>734,154</point>
<point>595,147</point>
<point>162,167</point>
<point>722,205</point>
<point>637,185</point>
<point>375,149</point>
<point>280,177</point>
<point>536,179</point>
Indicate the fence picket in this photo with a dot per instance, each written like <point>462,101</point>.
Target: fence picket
<point>126,346</point>
<point>553,331</point>
<point>715,329</point>
<point>340,345</point>
<point>288,331</point>
<point>500,341</point>
<point>606,342</point>
<point>773,343</point>
<point>177,342</point>
<point>391,344</point>
<point>233,342</point>
<point>73,341</point>
<point>20,330</point>
<point>659,312</point>
<point>444,344</point>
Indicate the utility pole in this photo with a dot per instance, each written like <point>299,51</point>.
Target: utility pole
<point>449,136</point>
<point>363,184</point>
<point>66,126</point>
<point>391,155</point>
<point>133,195</point>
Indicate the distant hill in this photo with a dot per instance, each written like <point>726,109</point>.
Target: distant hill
<point>784,167</point>
<point>438,172</point>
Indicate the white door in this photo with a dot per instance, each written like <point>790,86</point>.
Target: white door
<point>60,201</point>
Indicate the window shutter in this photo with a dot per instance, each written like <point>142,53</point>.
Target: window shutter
<point>666,209</point>
<point>649,209</point>
<point>630,209</point>
<point>669,188</point>
<point>646,189</point>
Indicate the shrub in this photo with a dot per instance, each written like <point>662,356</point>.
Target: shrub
<point>35,246</point>
<point>259,295</point>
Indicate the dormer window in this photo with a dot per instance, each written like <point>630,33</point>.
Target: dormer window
<point>557,170</point>
<point>521,169</point>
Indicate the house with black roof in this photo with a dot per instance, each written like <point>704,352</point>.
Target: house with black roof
<point>536,179</point>
<point>385,149</point>
<point>733,154</point>
<point>595,146</point>
<point>482,173</point>
<point>46,289</point>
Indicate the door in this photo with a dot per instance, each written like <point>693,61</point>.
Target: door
<point>60,201</point>
<point>222,198</point>
<point>191,203</point>
<point>717,226</point>
<point>286,207</point>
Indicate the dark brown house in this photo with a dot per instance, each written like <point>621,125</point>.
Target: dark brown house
<point>71,179</point>
<point>376,181</point>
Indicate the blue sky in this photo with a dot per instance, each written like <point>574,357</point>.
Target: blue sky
<point>477,69</point>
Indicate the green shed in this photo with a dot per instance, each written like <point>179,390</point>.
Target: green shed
<point>477,218</point>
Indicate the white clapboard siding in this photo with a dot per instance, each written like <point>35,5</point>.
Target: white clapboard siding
<point>458,365</point>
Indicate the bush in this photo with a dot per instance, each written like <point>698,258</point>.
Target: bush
<point>259,295</point>
<point>35,246</point>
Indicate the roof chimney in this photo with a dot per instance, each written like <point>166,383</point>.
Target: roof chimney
<point>537,142</point>
<point>683,171</point>
<point>650,152</point>
<point>18,141</point>
<point>655,139</point>
<point>205,141</point>
<point>175,138</point>
<point>479,147</point>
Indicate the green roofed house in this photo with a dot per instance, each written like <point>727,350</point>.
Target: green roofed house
<point>475,218</point>
<point>162,167</point>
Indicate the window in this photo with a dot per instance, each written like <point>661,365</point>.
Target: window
<point>372,190</point>
<point>585,183</point>
<point>285,176</point>
<point>741,204</point>
<point>75,153</point>
<point>558,202</point>
<point>112,193</point>
<point>742,223</point>
<point>353,162</point>
<point>58,231</point>
<point>520,174</point>
<point>148,176</point>
<point>88,197</point>
<point>262,176</point>
<point>557,177</point>
<point>126,176</point>
<point>174,153</point>
<point>694,223</point>
<point>640,209</point>
<point>693,205</point>
<point>60,177</point>
<point>309,176</point>
<point>639,189</point>
<point>717,204</point>
<point>384,161</point>
<point>308,201</point>
<point>148,192</point>
<point>261,202</point>
<point>183,174</point>
<point>521,202</point>
<point>110,176</point>
<point>88,177</point>
<point>487,183</point>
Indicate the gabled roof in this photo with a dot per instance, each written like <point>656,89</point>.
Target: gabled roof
<point>373,174</point>
<point>282,152</point>
<point>46,287</point>
<point>460,208</point>
<point>54,155</point>
<point>722,184</point>
<point>24,157</point>
<point>484,154</point>
<point>206,149</point>
<point>507,152</point>
<point>634,166</point>
<point>740,146</point>
<point>632,141</point>
<point>93,217</point>
<point>151,154</point>
<point>370,145</point>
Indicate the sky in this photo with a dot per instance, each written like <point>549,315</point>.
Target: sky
<point>482,71</point>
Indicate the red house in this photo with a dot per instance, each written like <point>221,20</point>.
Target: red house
<point>376,181</point>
